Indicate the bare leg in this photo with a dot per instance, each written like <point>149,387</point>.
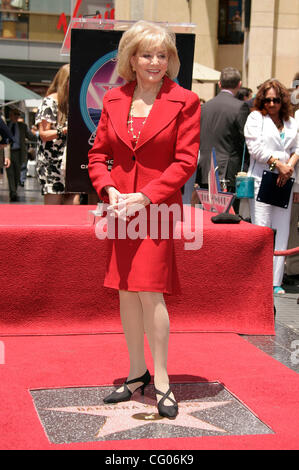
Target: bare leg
<point>71,199</point>
<point>132,322</point>
<point>156,323</point>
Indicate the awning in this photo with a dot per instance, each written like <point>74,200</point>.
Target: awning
<point>12,92</point>
<point>204,74</point>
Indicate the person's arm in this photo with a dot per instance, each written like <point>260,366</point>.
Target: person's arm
<point>98,157</point>
<point>293,160</point>
<point>6,162</point>
<point>241,119</point>
<point>46,121</point>
<point>5,133</point>
<point>253,132</point>
<point>46,132</point>
<point>286,170</point>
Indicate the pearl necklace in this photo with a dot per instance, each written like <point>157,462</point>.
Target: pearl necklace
<point>130,123</point>
<point>130,120</point>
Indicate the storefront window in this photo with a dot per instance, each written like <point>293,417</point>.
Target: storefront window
<point>230,23</point>
<point>50,6</point>
<point>13,19</point>
<point>47,20</point>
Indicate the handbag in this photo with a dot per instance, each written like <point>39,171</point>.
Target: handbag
<point>270,193</point>
<point>244,183</point>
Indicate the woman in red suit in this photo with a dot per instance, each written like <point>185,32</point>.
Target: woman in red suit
<point>150,128</point>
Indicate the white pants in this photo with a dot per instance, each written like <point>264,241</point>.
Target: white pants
<point>277,218</point>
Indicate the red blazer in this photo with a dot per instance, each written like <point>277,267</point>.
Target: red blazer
<point>166,154</point>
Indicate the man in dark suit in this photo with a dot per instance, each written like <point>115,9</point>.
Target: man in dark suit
<point>18,151</point>
<point>222,124</point>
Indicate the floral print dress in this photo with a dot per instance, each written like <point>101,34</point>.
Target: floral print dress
<point>50,155</point>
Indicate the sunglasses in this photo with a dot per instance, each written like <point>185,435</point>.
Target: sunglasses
<point>275,100</point>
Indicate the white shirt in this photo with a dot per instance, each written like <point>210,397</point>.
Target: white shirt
<point>263,141</point>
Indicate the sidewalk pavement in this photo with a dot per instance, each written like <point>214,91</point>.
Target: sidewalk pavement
<point>284,346</point>
<point>287,309</point>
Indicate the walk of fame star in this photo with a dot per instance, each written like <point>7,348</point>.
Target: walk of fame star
<point>70,415</point>
<point>122,416</point>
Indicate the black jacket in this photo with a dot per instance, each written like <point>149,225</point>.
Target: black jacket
<point>6,136</point>
<point>222,126</point>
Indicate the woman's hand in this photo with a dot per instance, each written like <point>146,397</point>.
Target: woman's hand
<point>126,205</point>
<point>134,202</point>
<point>285,172</point>
<point>115,197</point>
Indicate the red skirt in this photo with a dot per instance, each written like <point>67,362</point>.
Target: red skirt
<point>142,265</point>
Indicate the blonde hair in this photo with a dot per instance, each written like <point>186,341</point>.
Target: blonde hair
<point>146,35</point>
<point>60,85</point>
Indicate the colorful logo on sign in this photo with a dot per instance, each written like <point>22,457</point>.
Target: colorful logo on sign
<point>100,78</point>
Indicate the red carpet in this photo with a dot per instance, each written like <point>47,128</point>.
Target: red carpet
<point>52,269</point>
<point>268,389</point>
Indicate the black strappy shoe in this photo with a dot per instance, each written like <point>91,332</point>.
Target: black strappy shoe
<point>117,397</point>
<point>170,411</point>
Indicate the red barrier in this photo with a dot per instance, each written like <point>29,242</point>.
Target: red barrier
<point>292,251</point>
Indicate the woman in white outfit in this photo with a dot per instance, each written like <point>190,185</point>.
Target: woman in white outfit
<point>272,140</point>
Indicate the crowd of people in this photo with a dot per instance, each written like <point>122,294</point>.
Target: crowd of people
<point>264,128</point>
<point>177,127</point>
<point>49,133</point>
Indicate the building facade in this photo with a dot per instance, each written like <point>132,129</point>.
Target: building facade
<point>32,33</point>
<point>259,37</point>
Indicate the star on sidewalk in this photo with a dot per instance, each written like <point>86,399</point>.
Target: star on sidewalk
<point>130,415</point>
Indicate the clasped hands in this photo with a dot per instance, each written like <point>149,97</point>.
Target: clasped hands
<point>285,172</point>
<point>123,205</point>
